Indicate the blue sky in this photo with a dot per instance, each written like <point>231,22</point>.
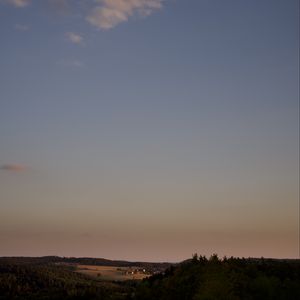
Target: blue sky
<point>149,129</point>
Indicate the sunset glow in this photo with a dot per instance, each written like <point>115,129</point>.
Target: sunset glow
<point>149,129</point>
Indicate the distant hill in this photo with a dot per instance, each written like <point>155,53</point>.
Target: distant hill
<point>159,267</point>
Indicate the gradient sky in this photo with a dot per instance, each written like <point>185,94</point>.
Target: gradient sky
<point>149,129</point>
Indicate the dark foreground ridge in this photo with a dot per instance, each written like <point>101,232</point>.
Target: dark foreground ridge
<point>198,278</point>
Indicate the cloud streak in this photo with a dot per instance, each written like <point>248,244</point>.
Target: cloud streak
<point>103,14</point>
<point>19,3</point>
<point>13,167</point>
<point>109,13</point>
<point>74,38</point>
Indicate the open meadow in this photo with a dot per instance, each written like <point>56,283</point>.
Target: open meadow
<point>111,273</point>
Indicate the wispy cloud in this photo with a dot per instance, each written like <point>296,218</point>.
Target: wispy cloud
<point>103,14</point>
<point>19,3</point>
<point>13,167</point>
<point>109,13</point>
<point>21,27</point>
<point>74,37</point>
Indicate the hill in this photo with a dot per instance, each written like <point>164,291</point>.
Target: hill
<point>152,266</point>
<point>198,278</point>
<point>227,279</point>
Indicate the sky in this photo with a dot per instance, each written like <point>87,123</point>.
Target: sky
<point>149,129</point>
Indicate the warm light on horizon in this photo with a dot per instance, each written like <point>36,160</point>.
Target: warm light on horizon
<point>149,130</point>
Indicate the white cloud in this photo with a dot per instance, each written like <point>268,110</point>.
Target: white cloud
<point>19,3</point>
<point>103,14</point>
<point>109,13</point>
<point>74,37</point>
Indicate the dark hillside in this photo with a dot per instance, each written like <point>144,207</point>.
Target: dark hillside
<point>50,281</point>
<point>198,278</point>
<point>228,279</point>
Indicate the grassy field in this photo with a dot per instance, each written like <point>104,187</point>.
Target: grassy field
<point>112,273</point>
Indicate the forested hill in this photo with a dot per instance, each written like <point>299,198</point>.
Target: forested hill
<point>198,278</point>
<point>227,279</point>
<point>84,261</point>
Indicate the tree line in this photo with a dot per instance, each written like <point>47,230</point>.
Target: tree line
<point>198,278</point>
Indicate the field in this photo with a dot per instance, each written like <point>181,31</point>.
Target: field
<point>111,273</point>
